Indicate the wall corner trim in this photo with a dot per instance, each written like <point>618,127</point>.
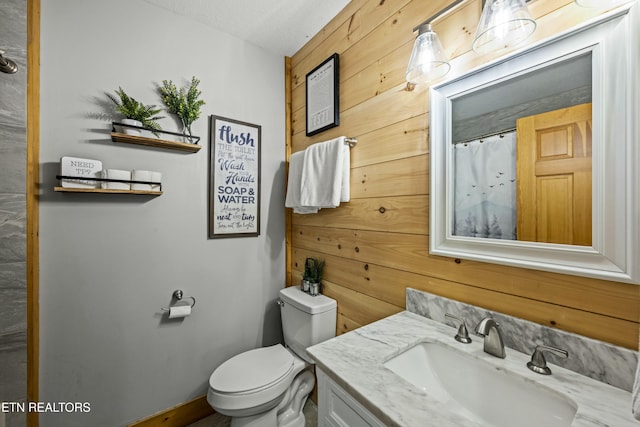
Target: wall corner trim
<point>32,187</point>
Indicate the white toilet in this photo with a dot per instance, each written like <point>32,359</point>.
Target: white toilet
<point>267,387</point>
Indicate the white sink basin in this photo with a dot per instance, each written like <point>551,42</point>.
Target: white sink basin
<point>481,391</point>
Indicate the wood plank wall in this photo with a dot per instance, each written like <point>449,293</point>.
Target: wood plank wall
<point>377,245</point>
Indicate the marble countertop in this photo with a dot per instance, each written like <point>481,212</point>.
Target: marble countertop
<point>355,361</point>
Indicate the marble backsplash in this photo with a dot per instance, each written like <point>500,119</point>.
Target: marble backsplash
<point>595,359</point>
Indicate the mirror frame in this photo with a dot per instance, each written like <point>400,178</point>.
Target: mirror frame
<point>613,40</point>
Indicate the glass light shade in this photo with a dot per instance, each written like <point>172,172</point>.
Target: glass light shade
<point>503,25</point>
<point>428,60</point>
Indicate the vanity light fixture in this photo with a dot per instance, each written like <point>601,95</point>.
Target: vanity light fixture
<point>428,59</point>
<point>503,25</point>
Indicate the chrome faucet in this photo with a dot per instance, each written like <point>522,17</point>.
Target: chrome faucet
<point>493,341</point>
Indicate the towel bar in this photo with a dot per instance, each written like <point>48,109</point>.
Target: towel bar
<point>351,142</point>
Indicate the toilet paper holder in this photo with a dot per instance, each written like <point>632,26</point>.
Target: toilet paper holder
<point>178,295</point>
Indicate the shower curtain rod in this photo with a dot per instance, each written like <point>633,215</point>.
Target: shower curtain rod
<point>477,138</point>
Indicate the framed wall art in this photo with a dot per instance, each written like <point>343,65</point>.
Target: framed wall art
<point>322,96</point>
<point>234,178</point>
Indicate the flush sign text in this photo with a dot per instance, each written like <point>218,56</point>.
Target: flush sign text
<point>235,168</point>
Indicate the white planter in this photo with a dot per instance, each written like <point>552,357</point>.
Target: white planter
<point>128,130</point>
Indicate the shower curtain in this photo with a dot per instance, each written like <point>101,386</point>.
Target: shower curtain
<point>485,187</point>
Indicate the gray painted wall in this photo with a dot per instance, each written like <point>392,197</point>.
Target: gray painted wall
<point>108,263</point>
<point>13,323</point>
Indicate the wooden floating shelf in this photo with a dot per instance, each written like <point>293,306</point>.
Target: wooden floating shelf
<point>155,142</point>
<point>104,190</point>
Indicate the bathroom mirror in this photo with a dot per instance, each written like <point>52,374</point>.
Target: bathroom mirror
<point>572,99</point>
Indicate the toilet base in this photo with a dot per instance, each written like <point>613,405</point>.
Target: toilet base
<point>290,409</point>
<point>289,412</point>
<point>264,419</point>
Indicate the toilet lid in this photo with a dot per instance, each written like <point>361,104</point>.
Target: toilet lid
<point>252,369</point>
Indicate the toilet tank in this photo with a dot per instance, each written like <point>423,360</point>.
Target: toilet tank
<point>306,319</point>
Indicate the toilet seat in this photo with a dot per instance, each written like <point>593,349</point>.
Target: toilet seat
<point>252,371</point>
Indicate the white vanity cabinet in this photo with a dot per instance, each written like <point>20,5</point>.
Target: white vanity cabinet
<point>336,408</point>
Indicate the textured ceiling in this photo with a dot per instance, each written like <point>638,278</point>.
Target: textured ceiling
<point>281,26</point>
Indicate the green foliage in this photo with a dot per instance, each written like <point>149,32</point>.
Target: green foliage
<point>313,270</point>
<point>182,102</point>
<point>136,110</point>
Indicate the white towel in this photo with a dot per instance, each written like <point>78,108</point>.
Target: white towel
<point>326,174</point>
<point>635,396</point>
<point>296,162</point>
<point>345,193</point>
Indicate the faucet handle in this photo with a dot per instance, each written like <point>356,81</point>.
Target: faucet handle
<point>463,334</point>
<point>538,363</point>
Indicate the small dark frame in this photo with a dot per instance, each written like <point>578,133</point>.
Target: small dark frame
<point>234,178</point>
<point>323,96</point>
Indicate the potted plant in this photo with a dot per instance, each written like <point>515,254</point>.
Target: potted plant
<point>182,102</point>
<point>136,113</point>
<point>312,275</point>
